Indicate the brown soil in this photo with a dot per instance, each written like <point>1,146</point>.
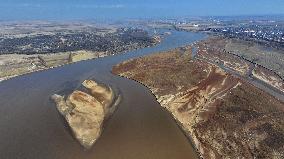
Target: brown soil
<point>225,116</point>
<point>269,77</point>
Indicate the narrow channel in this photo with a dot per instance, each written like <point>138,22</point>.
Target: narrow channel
<point>30,125</point>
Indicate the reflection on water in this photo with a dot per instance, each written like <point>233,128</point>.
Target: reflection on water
<point>31,127</point>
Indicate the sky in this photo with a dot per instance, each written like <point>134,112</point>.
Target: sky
<point>122,9</point>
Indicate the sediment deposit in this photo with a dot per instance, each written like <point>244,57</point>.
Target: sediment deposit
<point>86,112</point>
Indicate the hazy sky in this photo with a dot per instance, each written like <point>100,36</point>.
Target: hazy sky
<point>93,9</point>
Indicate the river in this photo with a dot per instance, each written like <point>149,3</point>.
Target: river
<point>32,128</point>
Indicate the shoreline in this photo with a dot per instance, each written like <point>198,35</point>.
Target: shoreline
<point>43,69</point>
<point>181,127</point>
<point>39,70</point>
<point>124,70</point>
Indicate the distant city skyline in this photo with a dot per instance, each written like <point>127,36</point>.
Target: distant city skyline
<point>121,9</point>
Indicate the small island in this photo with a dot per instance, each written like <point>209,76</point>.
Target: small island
<point>85,112</point>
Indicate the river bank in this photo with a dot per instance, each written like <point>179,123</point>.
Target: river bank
<point>210,104</point>
<point>12,65</point>
<point>181,126</point>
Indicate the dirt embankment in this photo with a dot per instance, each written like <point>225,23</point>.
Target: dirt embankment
<point>212,49</point>
<point>269,77</point>
<point>225,116</point>
<point>86,112</point>
<point>244,58</point>
<point>12,65</point>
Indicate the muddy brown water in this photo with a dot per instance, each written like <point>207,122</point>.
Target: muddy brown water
<point>32,128</point>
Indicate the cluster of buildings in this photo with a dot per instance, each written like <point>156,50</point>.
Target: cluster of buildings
<point>119,41</point>
<point>260,29</point>
<point>270,33</point>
